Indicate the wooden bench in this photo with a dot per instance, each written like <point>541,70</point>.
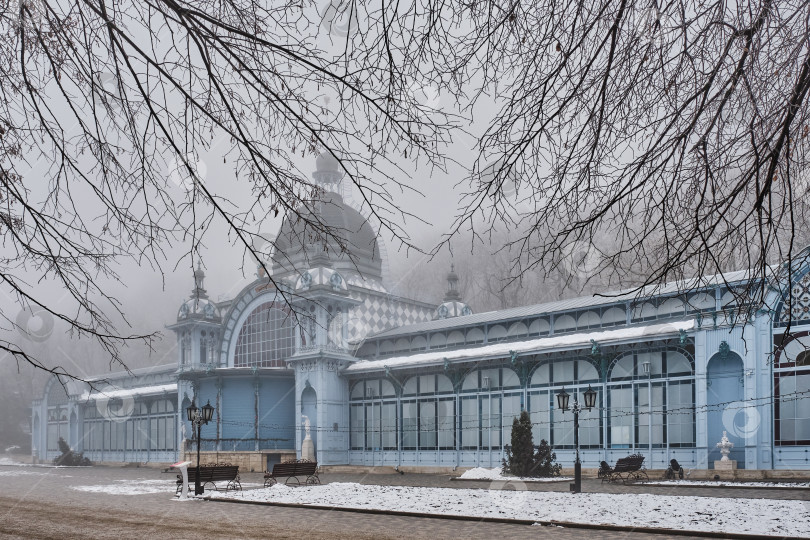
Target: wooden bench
<point>627,469</point>
<point>308,470</point>
<point>211,474</point>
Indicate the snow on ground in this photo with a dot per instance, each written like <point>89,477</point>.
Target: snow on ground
<point>147,486</point>
<point>131,487</point>
<point>753,516</point>
<point>11,463</point>
<point>482,473</point>
<point>19,472</point>
<point>728,484</point>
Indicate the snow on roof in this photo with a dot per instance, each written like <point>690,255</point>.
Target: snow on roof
<point>546,344</point>
<point>113,392</point>
<point>570,304</point>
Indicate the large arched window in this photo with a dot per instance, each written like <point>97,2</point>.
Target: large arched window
<point>267,337</point>
<point>428,413</point>
<point>792,388</point>
<point>490,399</point>
<point>373,415</point>
<point>553,425</point>
<point>651,396</point>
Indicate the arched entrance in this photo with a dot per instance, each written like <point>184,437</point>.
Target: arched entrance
<point>309,408</point>
<point>724,397</point>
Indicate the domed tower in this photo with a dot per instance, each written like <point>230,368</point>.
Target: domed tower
<point>198,327</point>
<point>452,306</point>
<point>345,242</point>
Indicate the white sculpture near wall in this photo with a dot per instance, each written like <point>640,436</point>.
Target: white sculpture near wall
<point>307,446</point>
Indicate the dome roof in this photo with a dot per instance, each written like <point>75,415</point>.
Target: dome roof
<point>199,308</point>
<point>298,246</point>
<point>326,162</point>
<point>452,309</point>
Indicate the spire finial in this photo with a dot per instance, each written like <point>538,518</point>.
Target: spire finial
<point>199,282</point>
<point>452,285</point>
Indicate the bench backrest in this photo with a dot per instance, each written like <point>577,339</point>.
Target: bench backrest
<point>215,473</point>
<point>295,468</point>
<point>629,464</point>
<point>284,469</point>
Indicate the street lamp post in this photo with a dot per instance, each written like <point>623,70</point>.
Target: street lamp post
<point>198,417</point>
<point>562,403</point>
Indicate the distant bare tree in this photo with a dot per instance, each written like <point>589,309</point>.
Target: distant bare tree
<point>103,104</point>
<point>677,129</point>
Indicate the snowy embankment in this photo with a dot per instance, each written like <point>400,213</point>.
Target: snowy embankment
<point>728,484</point>
<point>481,473</point>
<point>8,462</point>
<point>130,487</point>
<point>752,516</point>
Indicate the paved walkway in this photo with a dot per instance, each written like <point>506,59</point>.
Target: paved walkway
<point>41,503</point>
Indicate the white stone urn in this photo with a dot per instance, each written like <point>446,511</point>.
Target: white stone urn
<point>725,447</point>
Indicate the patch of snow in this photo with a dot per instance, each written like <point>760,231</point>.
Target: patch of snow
<point>20,473</point>
<point>691,513</point>
<point>729,484</point>
<point>131,487</point>
<point>506,349</point>
<point>11,463</point>
<point>482,473</point>
<point>129,392</point>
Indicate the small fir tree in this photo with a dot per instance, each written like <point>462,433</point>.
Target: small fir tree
<point>545,461</point>
<point>520,456</point>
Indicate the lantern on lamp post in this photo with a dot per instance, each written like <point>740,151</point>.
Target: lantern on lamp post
<point>198,417</point>
<point>590,402</point>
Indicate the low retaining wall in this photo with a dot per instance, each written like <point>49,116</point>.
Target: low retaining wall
<point>247,461</point>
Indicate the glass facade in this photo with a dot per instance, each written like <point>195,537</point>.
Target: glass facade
<point>636,408</point>
<point>149,427</point>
